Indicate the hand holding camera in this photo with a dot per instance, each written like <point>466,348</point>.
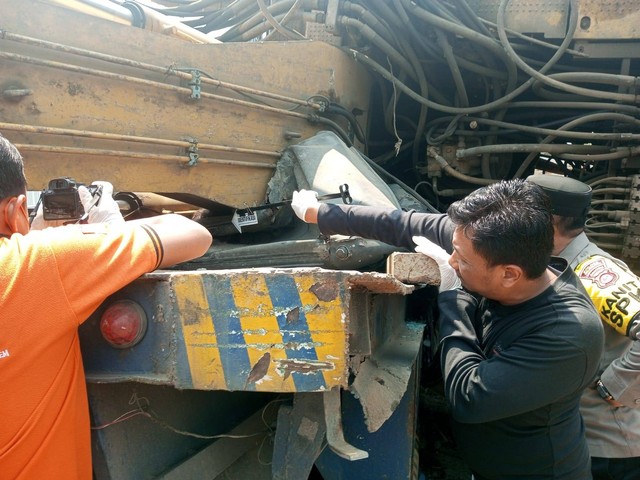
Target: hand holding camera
<point>105,209</point>
<point>65,201</point>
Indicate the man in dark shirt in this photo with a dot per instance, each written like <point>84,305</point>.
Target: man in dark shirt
<point>518,344</point>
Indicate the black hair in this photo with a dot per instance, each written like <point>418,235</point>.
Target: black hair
<point>570,226</point>
<point>508,222</point>
<point>12,179</point>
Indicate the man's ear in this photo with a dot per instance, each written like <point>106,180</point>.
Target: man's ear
<point>15,214</point>
<point>511,274</point>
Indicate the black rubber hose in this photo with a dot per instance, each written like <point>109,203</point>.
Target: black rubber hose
<point>585,119</point>
<point>334,108</point>
<point>472,18</point>
<point>458,29</point>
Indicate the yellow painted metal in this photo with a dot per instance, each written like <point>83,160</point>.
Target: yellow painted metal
<point>86,93</point>
<point>199,334</point>
<point>263,330</point>
<point>329,330</point>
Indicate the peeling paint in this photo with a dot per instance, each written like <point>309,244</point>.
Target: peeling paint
<point>287,367</point>
<point>259,369</point>
<point>325,291</point>
<point>266,379</point>
<point>293,315</point>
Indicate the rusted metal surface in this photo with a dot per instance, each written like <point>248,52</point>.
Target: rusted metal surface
<point>113,91</point>
<point>598,19</point>
<point>383,378</point>
<point>263,329</point>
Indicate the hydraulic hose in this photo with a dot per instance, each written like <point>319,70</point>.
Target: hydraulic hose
<point>573,21</point>
<point>465,32</point>
<point>585,119</point>
<point>461,176</point>
<point>290,34</point>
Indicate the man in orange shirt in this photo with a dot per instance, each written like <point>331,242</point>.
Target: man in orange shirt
<point>51,281</point>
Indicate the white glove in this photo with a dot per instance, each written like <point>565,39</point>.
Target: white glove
<point>302,201</point>
<point>449,279</point>
<point>106,210</point>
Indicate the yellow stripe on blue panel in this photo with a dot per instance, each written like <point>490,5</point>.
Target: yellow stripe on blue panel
<point>327,320</point>
<point>198,332</point>
<point>264,330</point>
<point>261,334</point>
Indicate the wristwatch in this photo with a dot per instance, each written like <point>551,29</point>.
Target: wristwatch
<point>602,390</point>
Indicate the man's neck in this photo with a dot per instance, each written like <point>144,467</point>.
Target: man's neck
<point>560,240</point>
<point>530,289</point>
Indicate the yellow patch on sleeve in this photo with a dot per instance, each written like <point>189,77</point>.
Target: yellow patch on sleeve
<point>614,290</point>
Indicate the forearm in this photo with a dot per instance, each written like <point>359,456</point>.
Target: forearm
<point>622,377</point>
<point>460,350</point>
<point>181,239</point>
<point>391,226</point>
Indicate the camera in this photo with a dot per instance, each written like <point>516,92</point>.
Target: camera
<point>61,201</point>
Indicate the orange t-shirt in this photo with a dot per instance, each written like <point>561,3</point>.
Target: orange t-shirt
<point>51,281</point>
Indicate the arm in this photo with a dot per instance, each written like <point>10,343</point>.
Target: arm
<point>388,225</point>
<point>175,238</point>
<point>392,226</point>
<point>180,239</point>
<point>615,291</point>
<point>95,260</point>
<point>622,378</point>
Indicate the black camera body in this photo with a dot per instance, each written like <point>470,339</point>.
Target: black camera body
<point>61,201</point>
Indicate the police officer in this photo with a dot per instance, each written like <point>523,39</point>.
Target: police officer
<point>611,407</point>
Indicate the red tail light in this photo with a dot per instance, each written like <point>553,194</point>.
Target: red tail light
<point>123,324</point>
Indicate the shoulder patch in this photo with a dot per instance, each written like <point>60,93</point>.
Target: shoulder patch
<point>614,290</point>
<point>599,271</point>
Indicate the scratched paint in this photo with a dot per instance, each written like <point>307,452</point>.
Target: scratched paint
<point>271,332</point>
<point>327,323</point>
<point>198,333</point>
<point>261,330</point>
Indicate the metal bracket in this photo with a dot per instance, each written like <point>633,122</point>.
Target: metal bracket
<point>299,437</point>
<point>192,151</point>
<point>631,244</point>
<point>333,6</point>
<point>195,83</point>
<point>335,434</point>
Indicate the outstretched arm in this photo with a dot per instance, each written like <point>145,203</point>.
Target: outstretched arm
<point>180,238</point>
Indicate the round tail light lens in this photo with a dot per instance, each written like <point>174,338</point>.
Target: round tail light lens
<point>123,324</point>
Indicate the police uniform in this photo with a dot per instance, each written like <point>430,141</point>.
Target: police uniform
<point>613,433</point>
